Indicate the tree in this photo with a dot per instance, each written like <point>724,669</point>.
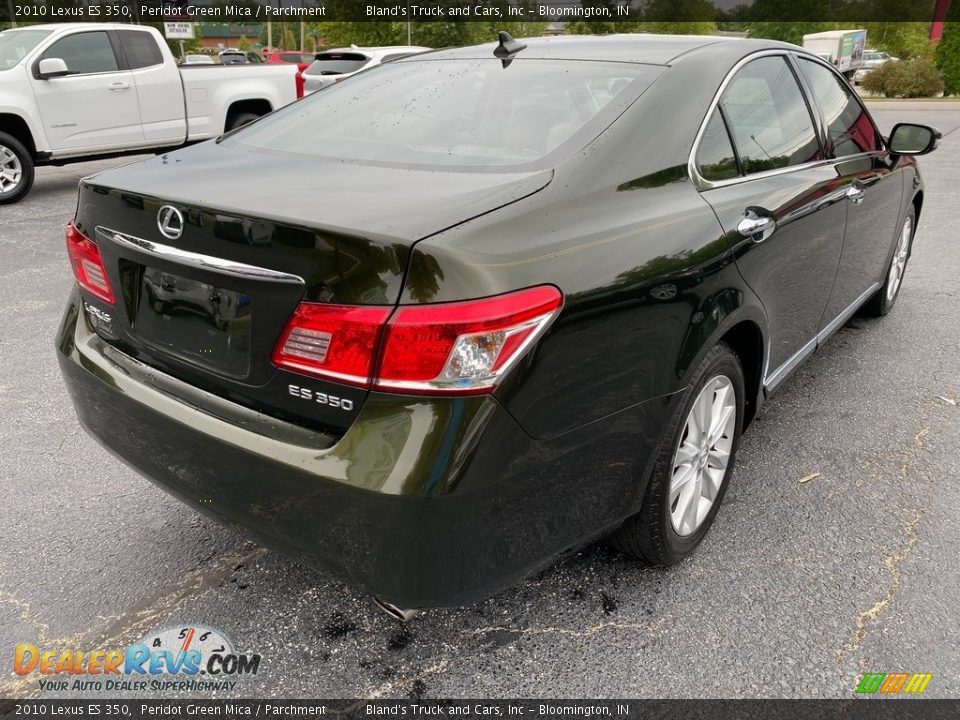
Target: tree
<point>244,43</point>
<point>948,51</point>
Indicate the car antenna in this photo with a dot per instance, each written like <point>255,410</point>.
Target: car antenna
<point>508,47</point>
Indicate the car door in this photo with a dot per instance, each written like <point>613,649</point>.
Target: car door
<point>158,88</point>
<point>873,189</point>
<point>759,162</point>
<point>94,108</point>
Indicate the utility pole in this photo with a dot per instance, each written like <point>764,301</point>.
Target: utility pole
<point>408,23</point>
<point>10,9</point>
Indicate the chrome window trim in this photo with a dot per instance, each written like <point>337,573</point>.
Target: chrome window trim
<point>196,260</point>
<point>703,184</point>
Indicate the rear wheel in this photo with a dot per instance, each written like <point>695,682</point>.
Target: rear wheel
<point>882,303</point>
<point>693,465</point>
<point>241,119</point>
<point>16,169</point>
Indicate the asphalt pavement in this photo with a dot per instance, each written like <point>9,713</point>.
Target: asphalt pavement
<point>799,589</point>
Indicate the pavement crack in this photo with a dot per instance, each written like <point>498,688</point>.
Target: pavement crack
<point>893,563</point>
<point>408,680</point>
<point>567,632</point>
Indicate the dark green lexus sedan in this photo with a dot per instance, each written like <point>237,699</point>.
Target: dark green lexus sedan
<point>436,325</point>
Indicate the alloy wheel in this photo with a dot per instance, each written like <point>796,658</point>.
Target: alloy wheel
<point>11,171</point>
<point>701,460</point>
<point>899,262</point>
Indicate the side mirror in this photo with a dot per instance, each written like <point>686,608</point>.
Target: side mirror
<point>912,139</point>
<point>51,68</point>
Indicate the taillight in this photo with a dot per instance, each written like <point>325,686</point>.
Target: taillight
<point>87,265</point>
<point>459,348</point>
<point>332,341</point>
<point>463,347</point>
<point>298,79</point>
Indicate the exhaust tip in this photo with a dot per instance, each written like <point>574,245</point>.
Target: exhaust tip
<point>395,612</point>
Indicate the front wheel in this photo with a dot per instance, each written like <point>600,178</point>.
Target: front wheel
<point>693,465</point>
<point>16,169</point>
<point>882,303</point>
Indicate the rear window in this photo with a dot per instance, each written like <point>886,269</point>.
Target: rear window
<point>140,48</point>
<point>455,112</point>
<point>337,63</point>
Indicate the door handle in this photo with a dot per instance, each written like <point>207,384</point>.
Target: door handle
<point>757,224</point>
<point>855,194</point>
<point>117,86</point>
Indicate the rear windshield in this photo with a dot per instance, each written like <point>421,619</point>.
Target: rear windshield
<point>15,44</point>
<point>455,112</point>
<point>337,63</point>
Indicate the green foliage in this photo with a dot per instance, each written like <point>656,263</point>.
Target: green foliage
<point>243,43</point>
<point>908,78</point>
<point>948,51</point>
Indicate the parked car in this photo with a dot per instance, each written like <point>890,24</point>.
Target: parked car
<point>332,66</point>
<point>197,60</point>
<point>511,298</point>
<point>872,59</point>
<point>76,91</point>
<point>232,56</point>
<point>300,59</point>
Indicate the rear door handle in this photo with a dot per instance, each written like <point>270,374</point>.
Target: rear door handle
<point>118,86</point>
<point>855,194</point>
<point>757,224</point>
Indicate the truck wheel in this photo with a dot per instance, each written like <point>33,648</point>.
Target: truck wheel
<point>240,119</point>
<point>16,169</point>
<point>693,465</point>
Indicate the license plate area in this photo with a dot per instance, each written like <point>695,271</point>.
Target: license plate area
<point>198,322</point>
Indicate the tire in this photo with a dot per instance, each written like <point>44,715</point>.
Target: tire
<point>16,169</point>
<point>241,119</point>
<point>652,534</point>
<point>886,297</point>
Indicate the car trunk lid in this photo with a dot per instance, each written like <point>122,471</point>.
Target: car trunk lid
<point>207,297</point>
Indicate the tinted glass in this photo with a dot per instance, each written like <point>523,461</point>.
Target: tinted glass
<point>850,129</point>
<point>16,44</point>
<point>337,63</point>
<point>715,158</point>
<point>140,48</point>
<point>451,112</point>
<point>89,52</point>
<point>768,117</point>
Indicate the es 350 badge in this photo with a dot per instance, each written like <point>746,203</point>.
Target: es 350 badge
<point>192,658</point>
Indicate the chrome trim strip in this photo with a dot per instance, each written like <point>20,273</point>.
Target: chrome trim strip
<point>197,260</point>
<point>779,375</point>
<point>840,319</point>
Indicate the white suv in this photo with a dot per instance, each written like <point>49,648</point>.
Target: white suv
<point>331,66</point>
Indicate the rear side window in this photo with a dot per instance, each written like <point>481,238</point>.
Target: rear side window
<point>768,117</point>
<point>715,157</point>
<point>850,129</point>
<point>140,48</point>
<point>337,63</point>
<point>89,52</point>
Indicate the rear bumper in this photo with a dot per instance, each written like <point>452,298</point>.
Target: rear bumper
<point>424,502</point>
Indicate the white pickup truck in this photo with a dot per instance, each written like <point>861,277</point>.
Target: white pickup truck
<point>78,91</point>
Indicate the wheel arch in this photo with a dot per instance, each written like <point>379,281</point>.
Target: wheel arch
<point>17,127</point>
<point>917,203</point>
<point>257,106</point>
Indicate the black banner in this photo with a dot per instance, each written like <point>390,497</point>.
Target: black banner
<point>134,709</point>
<point>620,14</point>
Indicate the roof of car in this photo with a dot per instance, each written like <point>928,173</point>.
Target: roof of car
<point>636,47</point>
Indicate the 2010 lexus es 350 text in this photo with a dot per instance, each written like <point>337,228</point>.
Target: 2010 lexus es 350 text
<point>438,324</point>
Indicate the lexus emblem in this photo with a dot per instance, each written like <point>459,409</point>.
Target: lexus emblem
<point>170,222</point>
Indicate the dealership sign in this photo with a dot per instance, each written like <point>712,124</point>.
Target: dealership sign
<point>178,30</point>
